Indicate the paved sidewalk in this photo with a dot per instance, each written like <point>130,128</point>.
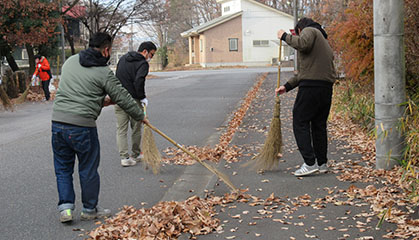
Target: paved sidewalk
<point>303,211</point>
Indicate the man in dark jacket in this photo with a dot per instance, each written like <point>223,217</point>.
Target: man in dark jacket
<point>316,75</point>
<point>85,81</point>
<point>132,70</point>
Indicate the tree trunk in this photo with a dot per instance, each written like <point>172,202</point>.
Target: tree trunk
<point>71,42</point>
<point>5,50</point>
<point>31,56</point>
<point>5,99</point>
<point>69,37</point>
<point>12,90</point>
<point>21,80</point>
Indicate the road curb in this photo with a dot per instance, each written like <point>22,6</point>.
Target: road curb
<point>197,180</point>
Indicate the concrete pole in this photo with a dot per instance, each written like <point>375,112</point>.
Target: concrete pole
<point>389,80</point>
<point>62,43</point>
<point>190,50</point>
<point>295,24</point>
<point>62,37</point>
<point>131,42</point>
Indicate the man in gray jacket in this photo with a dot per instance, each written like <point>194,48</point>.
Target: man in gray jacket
<point>316,75</point>
<point>85,81</point>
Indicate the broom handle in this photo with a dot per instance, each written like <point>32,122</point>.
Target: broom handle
<point>213,170</point>
<point>279,65</point>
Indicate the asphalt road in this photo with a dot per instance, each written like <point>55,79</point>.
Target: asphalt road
<point>188,106</point>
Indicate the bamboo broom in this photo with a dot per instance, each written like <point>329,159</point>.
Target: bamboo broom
<point>220,175</point>
<point>268,158</point>
<point>21,99</point>
<point>152,157</point>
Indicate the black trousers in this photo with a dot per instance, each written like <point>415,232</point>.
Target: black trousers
<point>310,113</point>
<point>45,87</point>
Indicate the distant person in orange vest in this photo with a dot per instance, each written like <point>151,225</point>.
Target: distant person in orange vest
<point>43,70</point>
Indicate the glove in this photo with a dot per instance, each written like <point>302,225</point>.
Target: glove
<point>144,101</point>
<point>39,66</point>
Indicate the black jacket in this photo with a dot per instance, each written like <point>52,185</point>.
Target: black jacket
<point>132,70</point>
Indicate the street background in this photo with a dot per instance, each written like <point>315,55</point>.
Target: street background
<point>188,106</point>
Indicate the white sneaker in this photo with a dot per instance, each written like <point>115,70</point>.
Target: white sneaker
<point>306,170</point>
<point>139,158</point>
<point>66,215</point>
<point>98,212</point>
<point>323,168</point>
<point>127,162</point>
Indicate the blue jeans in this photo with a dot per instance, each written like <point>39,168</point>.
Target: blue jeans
<point>67,142</point>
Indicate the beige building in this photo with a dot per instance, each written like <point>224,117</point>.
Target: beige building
<point>245,34</point>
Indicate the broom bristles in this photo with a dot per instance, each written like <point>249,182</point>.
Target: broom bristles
<point>268,158</point>
<point>152,157</point>
<point>22,97</point>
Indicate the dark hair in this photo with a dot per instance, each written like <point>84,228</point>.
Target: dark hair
<point>100,40</point>
<point>303,23</point>
<point>37,56</point>
<point>308,22</point>
<point>147,46</point>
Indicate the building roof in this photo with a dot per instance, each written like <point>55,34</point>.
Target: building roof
<point>75,12</point>
<point>262,5</point>
<point>210,24</point>
<point>217,21</point>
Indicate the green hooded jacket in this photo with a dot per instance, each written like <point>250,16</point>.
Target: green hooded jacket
<point>82,89</point>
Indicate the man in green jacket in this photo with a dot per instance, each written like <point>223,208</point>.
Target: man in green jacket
<point>315,78</point>
<point>85,81</point>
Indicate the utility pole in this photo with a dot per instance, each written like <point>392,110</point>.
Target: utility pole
<point>389,80</point>
<point>131,42</point>
<point>92,28</point>
<point>62,37</point>
<point>295,24</point>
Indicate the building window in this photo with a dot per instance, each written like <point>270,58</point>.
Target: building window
<point>260,43</point>
<point>25,54</point>
<point>233,44</point>
<point>193,45</point>
<point>227,9</point>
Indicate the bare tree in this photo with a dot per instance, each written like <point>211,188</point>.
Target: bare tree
<point>165,20</point>
<point>154,20</point>
<point>206,10</point>
<point>323,11</point>
<point>282,5</point>
<point>108,16</point>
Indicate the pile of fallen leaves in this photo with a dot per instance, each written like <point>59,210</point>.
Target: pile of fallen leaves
<point>177,156</point>
<point>166,220</point>
<point>38,96</point>
<point>222,149</point>
<point>394,201</point>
